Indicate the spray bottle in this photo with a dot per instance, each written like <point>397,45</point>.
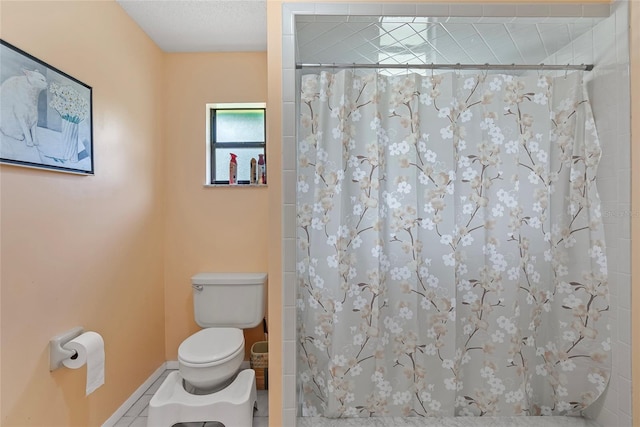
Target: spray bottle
<point>233,170</point>
<point>262,170</point>
<point>253,177</point>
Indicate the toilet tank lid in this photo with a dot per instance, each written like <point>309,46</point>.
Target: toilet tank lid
<point>229,278</point>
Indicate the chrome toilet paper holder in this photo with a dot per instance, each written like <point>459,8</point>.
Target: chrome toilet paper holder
<point>57,353</point>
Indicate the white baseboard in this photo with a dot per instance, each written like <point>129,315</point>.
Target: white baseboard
<point>113,419</point>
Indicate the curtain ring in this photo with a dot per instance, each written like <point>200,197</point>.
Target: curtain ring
<point>566,70</point>
<point>486,70</point>
<point>540,69</point>
<point>432,68</point>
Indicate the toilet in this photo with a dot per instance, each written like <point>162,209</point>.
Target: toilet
<point>209,385</point>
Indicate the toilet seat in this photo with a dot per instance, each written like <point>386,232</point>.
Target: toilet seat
<point>210,347</point>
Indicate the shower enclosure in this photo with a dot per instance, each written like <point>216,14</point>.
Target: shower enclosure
<point>426,34</point>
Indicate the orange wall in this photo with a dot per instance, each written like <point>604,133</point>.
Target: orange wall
<point>85,250</point>
<point>207,228</point>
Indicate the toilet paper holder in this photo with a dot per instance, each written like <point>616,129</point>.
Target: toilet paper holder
<point>57,353</point>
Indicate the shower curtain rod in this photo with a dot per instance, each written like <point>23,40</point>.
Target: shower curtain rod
<point>540,67</point>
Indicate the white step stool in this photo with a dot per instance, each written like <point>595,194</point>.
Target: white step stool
<point>232,406</point>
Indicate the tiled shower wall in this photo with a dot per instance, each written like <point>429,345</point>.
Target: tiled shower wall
<point>607,47</point>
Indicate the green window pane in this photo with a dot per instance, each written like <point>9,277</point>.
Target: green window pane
<point>245,155</point>
<point>239,126</point>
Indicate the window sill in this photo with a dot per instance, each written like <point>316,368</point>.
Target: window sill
<point>235,185</point>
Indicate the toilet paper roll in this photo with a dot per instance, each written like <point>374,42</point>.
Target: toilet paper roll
<point>90,349</point>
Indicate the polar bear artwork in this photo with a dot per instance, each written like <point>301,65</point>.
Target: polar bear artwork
<point>19,106</point>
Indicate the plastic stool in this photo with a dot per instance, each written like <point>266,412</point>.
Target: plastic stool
<point>232,406</point>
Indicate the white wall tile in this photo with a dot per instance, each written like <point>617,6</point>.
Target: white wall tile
<point>564,55</point>
<point>472,10</point>
<point>624,256</point>
<point>501,10</point>
<point>623,106</point>
<point>624,420</point>
<point>288,400</point>
<point>398,9</point>
<point>288,21</point>
<point>608,417</point>
<point>289,418</point>
<point>604,42</point>
<point>623,281</point>
<point>607,187</point>
<point>290,289</point>
<point>565,10</point>
<point>289,85</point>
<point>298,8</point>
<point>289,221</point>
<point>624,361</point>
<point>372,9</point>
<point>595,10</point>
<point>621,15</point>
<point>288,52</point>
<point>607,165</point>
<point>624,185</point>
<point>533,10</point>
<point>436,10</point>
<point>289,153</point>
<point>289,358</point>
<point>583,49</point>
<point>289,255</point>
<point>624,326</point>
<point>289,186</point>
<point>332,9</point>
<point>289,332</point>
<point>624,151</point>
<point>624,396</point>
<point>288,122</point>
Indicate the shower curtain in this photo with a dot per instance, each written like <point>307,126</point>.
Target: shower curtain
<point>451,256</point>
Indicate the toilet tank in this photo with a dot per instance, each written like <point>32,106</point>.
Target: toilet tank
<point>235,300</point>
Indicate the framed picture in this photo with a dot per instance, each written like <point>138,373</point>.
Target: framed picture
<point>45,115</point>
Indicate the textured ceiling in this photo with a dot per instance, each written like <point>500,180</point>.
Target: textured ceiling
<point>414,40</point>
<point>202,25</point>
<point>240,25</point>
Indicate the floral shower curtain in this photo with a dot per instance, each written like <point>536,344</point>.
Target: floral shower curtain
<point>451,256</point>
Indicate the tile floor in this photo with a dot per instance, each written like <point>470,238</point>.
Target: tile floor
<point>136,416</point>
<point>447,422</point>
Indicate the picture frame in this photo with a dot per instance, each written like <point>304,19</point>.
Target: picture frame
<point>46,116</point>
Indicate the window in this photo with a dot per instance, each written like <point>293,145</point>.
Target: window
<point>239,129</point>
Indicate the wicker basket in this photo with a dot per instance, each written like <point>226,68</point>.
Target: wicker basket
<point>260,363</point>
<point>260,355</point>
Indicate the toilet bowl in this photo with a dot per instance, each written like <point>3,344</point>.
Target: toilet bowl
<point>209,359</point>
